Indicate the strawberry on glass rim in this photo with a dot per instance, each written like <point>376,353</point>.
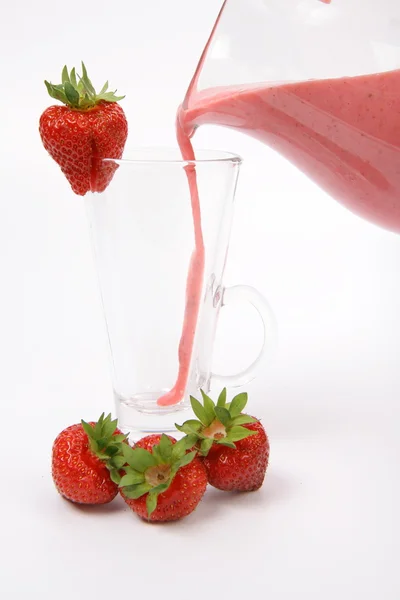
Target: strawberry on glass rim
<point>89,127</point>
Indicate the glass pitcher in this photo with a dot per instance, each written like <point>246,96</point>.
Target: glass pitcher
<point>317,80</point>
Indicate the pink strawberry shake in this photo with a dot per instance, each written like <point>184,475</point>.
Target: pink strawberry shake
<point>194,283</point>
<point>343,133</point>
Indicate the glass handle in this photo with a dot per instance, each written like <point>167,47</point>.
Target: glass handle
<point>245,293</point>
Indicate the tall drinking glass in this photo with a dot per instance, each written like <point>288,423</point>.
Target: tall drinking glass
<point>144,241</point>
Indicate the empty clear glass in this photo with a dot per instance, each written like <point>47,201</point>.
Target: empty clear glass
<point>143,240</point>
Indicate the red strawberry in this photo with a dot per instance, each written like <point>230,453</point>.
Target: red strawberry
<point>85,461</point>
<point>241,468</point>
<point>234,446</point>
<point>81,134</point>
<point>163,482</point>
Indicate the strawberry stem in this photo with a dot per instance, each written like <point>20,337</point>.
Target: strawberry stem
<point>107,444</point>
<point>152,472</point>
<point>220,423</point>
<point>77,91</point>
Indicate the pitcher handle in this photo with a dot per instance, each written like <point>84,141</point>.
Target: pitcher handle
<point>244,293</point>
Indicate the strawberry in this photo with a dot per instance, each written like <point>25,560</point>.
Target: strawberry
<point>234,446</point>
<point>86,459</point>
<point>162,482</point>
<point>89,128</point>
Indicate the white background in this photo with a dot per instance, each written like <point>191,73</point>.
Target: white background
<point>326,523</point>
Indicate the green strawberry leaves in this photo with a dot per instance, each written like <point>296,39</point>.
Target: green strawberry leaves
<point>223,415</point>
<point>180,448</point>
<point>199,411</point>
<point>127,453</point>
<point>115,476</point>
<point>222,398</point>
<point>86,83</point>
<point>227,443</point>
<point>165,448</point>
<point>102,441</point>
<point>78,91</point>
<point>71,94</point>
<point>131,478</point>
<point>117,462</point>
<point>141,460</point>
<point>151,503</point>
<point>136,491</point>
<point>209,407</point>
<point>244,420</point>
<point>237,405</point>
<point>221,423</point>
<point>190,427</point>
<point>237,432</point>
<point>153,472</point>
<point>107,445</point>
<point>205,446</point>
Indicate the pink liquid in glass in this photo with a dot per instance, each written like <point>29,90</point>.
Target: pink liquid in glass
<point>194,281</point>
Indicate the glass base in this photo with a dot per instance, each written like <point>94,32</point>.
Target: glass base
<point>140,415</point>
